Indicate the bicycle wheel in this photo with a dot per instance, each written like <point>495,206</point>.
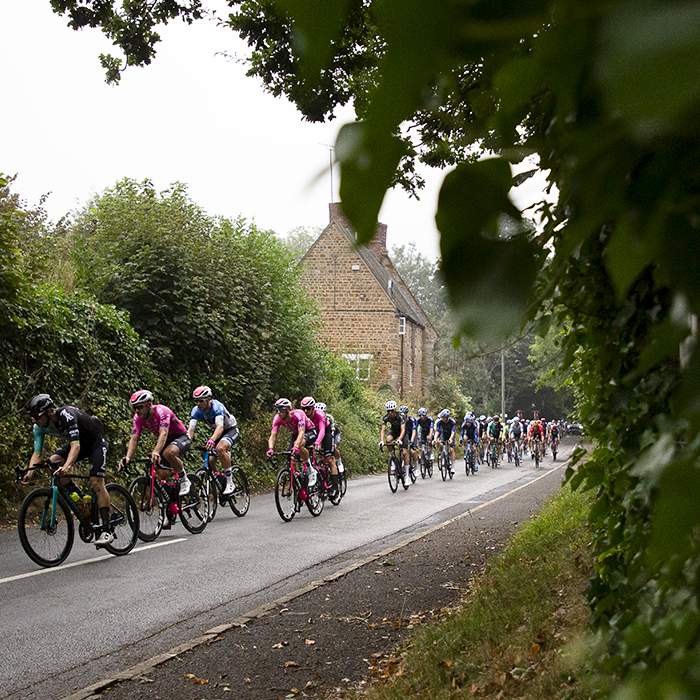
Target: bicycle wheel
<point>423,465</point>
<point>284,494</point>
<point>314,502</point>
<point>194,507</point>
<point>124,520</point>
<point>537,457</point>
<point>450,471</point>
<point>343,481</point>
<point>46,543</point>
<point>393,474</point>
<point>442,465</point>
<point>151,510</point>
<point>240,500</point>
<point>554,452</point>
<point>430,466</point>
<point>412,472</point>
<point>516,454</point>
<point>211,486</point>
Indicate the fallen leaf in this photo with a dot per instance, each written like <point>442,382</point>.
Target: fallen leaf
<point>190,675</point>
<point>310,641</point>
<point>291,664</point>
<point>535,648</point>
<point>279,645</point>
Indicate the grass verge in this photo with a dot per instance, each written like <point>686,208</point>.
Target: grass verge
<point>519,632</point>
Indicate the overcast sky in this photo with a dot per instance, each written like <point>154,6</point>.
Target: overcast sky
<point>191,116</point>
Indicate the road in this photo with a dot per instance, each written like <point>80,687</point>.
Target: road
<point>64,628</point>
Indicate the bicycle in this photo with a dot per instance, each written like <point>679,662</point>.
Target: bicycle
<point>426,460</point>
<point>469,457</point>
<point>412,467</point>
<point>555,446</point>
<point>45,520</point>
<point>215,484</point>
<point>158,499</point>
<point>493,453</point>
<point>517,452</point>
<point>325,482</point>
<point>395,470</point>
<point>444,462</point>
<point>292,490</point>
<point>537,452</point>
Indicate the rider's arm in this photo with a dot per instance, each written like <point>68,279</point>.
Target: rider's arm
<point>381,436</point>
<point>72,455</point>
<point>219,429</point>
<point>160,444</point>
<point>131,447</point>
<point>192,427</point>
<point>300,435</point>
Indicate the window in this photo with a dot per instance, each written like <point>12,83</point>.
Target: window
<point>402,325</point>
<point>361,362</point>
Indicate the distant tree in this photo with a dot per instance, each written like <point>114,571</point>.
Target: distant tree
<point>300,238</point>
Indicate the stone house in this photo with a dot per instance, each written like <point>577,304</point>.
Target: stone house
<point>368,313</point>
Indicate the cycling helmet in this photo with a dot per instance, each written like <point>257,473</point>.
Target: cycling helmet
<point>201,392</point>
<point>497,419</point>
<point>140,397</point>
<point>482,417</point>
<point>444,413</point>
<point>307,402</point>
<point>422,411</point>
<point>38,405</point>
<point>390,405</point>
<point>321,406</point>
<point>469,415</point>
<point>283,403</point>
<point>403,409</point>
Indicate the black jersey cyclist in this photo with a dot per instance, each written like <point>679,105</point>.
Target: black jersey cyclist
<point>86,440</point>
<point>411,434</point>
<point>445,433</point>
<point>396,434</point>
<point>470,433</point>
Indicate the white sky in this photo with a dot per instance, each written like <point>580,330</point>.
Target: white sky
<point>191,116</point>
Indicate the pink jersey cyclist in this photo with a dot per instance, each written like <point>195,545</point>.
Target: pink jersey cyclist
<point>160,417</point>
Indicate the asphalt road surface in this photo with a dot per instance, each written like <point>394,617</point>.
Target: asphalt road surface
<point>67,627</point>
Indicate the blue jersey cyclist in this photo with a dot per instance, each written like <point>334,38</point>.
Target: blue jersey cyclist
<point>411,434</point>
<point>445,431</point>
<point>223,426</point>
<point>86,438</point>
<point>470,433</point>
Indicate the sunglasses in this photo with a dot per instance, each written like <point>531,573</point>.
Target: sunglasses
<point>139,407</point>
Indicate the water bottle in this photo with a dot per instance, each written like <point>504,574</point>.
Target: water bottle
<point>76,498</point>
<point>87,505</point>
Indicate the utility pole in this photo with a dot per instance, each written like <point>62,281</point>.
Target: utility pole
<point>503,386</point>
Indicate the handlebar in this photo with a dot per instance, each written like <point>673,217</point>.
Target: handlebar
<point>46,465</point>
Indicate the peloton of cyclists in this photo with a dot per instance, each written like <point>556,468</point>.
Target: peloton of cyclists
<point>86,437</point>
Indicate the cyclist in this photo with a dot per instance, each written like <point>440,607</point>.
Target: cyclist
<point>397,432</point>
<point>534,435</point>
<point>411,434</point>
<point>494,435</point>
<point>554,435</point>
<point>337,436</point>
<point>445,433</point>
<point>424,426</point>
<point>86,437</point>
<point>224,430</point>
<point>324,437</point>
<point>172,439</point>
<point>470,433</point>
<point>516,431</point>
<point>302,430</point>
<point>482,437</point>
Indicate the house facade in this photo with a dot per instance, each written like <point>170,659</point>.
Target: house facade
<point>368,313</point>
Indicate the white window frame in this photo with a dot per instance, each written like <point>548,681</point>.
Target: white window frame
<point>403,326</point>
<point>361,361</point>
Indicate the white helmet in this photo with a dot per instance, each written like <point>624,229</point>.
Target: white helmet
<point>321,406</point>
<point>140,397</point>
<point>390,405</point>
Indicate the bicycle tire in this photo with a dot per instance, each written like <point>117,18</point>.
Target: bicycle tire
<point>239,500</point>
<point>393,477</point>
<point>423,465</point>
<point>38,542</point>
<point>211,485</point>
<point>412,472</point>
<point>314,502</point>
<point>442,466</point>
<point>537,457</point>
<point>124,520</point>
<point>430,468</point>
<point>516,455</point>
<point>343,481</point>
<point>194,507</point>
<point>151,509</point>
<point>284,495</point>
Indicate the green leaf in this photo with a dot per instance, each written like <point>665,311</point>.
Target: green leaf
<point>489,279</point>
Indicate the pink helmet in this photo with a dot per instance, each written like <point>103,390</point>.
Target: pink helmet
<point>201,392</point>
<point>307,402</point>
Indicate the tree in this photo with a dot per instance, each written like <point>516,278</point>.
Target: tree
<point>217,300</point>
<point>299,239</point>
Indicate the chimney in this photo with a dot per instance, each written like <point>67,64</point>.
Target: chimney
<point>377,245</point>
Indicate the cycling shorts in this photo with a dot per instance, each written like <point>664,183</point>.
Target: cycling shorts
<point>403,443</point>
<point>327,444</point>
<point>337,437</point>
<point>95,451</point>
<point>309,438</point>
<point>232,435</point>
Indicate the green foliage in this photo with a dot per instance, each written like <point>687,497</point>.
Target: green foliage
<point>217,300</point>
